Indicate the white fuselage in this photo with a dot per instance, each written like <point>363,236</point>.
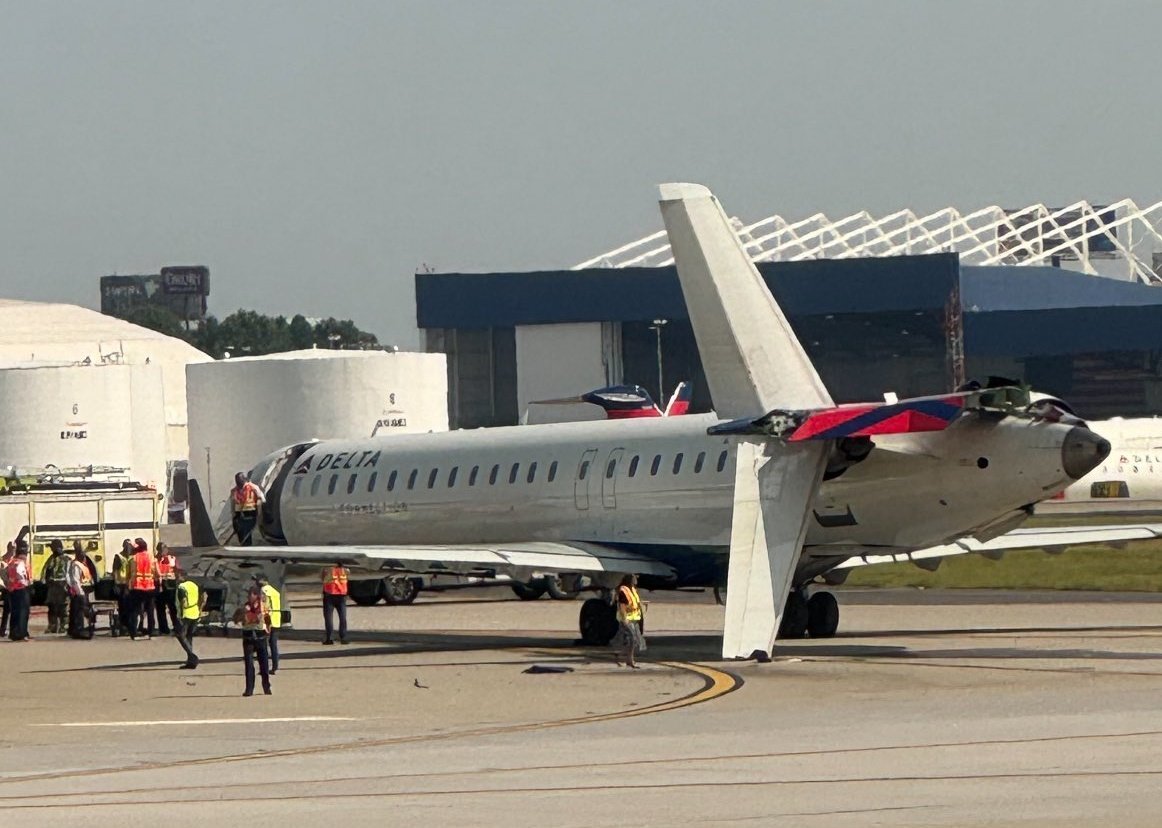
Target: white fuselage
<point>1128,481</point>
<point>658,483</point>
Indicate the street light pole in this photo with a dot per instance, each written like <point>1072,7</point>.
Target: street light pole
<point>656,327</point>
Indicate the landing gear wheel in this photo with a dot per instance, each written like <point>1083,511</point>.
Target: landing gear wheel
<point>530,591</point>
<point>399,591</point>
<point>561,589</point>
<point>364,596</point>
<point>598,622</point>
<point>822,615</point>
<point>794,623</point>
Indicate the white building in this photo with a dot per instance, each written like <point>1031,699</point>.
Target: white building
<point>48,344</point>
<point>243,409</point>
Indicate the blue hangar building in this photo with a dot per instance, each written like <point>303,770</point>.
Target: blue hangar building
<point>914,325</point>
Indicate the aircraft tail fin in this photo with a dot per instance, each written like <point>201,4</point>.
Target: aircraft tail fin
<point>753,360</point>
<point>201,528</point>
<point>679,403</point>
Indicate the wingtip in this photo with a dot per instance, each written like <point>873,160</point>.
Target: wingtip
<point>678,191</point>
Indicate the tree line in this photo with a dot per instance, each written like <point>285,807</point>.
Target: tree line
<point>249,333</point>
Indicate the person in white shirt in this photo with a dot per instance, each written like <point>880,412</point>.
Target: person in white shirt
<point>79,581</point>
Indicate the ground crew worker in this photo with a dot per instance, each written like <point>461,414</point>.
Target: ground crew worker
<point>274,598</point>
<point>142,587</point>
<point>245,498</point>
<point>80,584</point>
<point>79,549</point>
<point>55,576</point>
<point>254,618</point>
<point>335,600</point>
<point>190,601</point>
<point>19,580</point>
<point>629,639</point>
<point>167,589</point>
<point>5,605</point>
<point>121,584</point>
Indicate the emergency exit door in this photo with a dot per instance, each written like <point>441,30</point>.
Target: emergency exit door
<point>585,475</point>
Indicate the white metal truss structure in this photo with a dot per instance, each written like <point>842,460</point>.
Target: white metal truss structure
<point>1121,239</point>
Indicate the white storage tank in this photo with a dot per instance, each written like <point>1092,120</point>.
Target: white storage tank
<point>242,409</point>
<point>71,416</point>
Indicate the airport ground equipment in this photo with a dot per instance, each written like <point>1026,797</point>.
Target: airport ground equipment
<point>87,504</point>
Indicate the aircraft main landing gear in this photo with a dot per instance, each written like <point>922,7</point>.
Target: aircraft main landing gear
<point>598,621</point>
<point>817,616</point>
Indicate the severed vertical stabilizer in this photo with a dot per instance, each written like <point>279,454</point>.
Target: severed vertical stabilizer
<point>754,364</point>
<point>753,361</point>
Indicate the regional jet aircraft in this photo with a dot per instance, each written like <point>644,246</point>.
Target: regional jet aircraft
<point>779,487</point>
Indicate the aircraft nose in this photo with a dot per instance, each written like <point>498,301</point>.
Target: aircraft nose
<point>1082,451</point>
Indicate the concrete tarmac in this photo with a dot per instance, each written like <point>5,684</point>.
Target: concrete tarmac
<point>929,708</point>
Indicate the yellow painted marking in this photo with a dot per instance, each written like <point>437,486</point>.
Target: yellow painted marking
<point>717,683</point>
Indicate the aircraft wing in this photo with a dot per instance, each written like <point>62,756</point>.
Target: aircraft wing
<point>518,560</point>
<point>1051,539</point>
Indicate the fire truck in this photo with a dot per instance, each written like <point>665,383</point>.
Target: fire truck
<point>99,506</point>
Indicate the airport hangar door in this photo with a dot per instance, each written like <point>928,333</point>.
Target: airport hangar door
<point>870,325</point>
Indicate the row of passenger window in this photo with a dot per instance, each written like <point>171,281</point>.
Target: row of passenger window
<point>494,475</point>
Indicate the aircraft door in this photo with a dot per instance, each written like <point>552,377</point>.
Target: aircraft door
<point>585,475</point>
<point>609,479</point>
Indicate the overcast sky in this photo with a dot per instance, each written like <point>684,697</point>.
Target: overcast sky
<point>313,155</point>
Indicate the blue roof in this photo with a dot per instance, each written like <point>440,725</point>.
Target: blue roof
<point>984,289</point>
<point>827,286</point>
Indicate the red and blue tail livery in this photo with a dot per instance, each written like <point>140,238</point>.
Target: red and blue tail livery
<point>869,419</point>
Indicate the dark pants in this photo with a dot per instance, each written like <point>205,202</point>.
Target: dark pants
<point>167,609</point>
<point>142,611</point>
<point>5,611</point>
<point>255,644</point>
<point>124,607</point>
<point>274,649</point>
<point>57,603</point>
<point>186,627</point>
<point>244,523</point>
<point>79,617</point>
<point>331,605</point>
<point>21,603</point>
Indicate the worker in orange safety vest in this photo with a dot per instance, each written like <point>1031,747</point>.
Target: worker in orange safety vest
<point>335,600</point>
<point>245,498</point>
<point>143,581</point>
<point>18,580</point>
<point>167,589</point>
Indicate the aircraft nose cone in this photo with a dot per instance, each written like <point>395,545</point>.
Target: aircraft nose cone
<point>1082,451</point>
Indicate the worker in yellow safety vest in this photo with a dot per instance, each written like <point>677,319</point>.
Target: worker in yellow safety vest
<point>245,498</point>
<point>630,614</point>
<point>121,585</point>
<point>190,602</point>
<point>274,598</point>
<point>254,618</point>
<point>335,601</point>
<point>143,579</point>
